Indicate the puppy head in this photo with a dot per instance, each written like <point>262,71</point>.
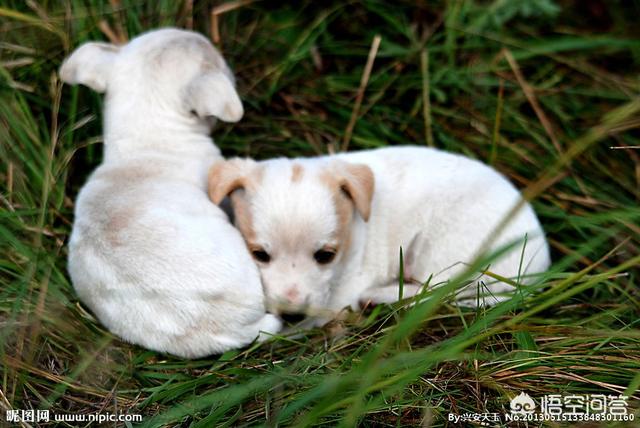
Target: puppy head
<point>296,217</point>
<point>169,68</point>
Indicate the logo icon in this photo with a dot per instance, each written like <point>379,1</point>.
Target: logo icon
<point>522,404</point>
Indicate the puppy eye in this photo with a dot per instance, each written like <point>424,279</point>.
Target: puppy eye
<point>261,255</point>
<point>324,257</point>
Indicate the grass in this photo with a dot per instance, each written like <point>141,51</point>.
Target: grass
<point>546,91</point>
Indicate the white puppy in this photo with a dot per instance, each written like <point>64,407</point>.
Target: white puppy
<point>326,232</point>
<point>153,258</point>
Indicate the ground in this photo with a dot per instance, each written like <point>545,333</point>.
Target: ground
<point>546,91</point>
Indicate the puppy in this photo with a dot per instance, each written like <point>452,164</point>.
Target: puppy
<point>153,258</point>
<point>326,232</point>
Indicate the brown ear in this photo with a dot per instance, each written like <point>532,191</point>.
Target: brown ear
<point>227,176</point>
<point>357,182</point>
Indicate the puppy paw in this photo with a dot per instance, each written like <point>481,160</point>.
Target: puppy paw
<point>268,326</point>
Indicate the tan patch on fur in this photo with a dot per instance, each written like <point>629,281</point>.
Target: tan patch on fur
<point>227,177</point>
<point>344,210</point>
<point>356,180</point>
<point>115,217</point>
<point>117,224</point>
<point>243,219</point>
<point>132,173</point>
<point>223,179</point>
<point>359,183</point>
<point>296,172</point>
<point>352,186</point>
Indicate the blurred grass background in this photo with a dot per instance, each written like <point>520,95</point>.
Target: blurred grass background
<point>544,90</point>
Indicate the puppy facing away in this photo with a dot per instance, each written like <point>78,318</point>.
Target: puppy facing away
<point>149,254</point>
<point>326,232</point>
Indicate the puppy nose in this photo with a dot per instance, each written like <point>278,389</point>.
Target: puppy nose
<point>292,295</point>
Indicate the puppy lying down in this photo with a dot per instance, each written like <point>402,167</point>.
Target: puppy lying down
<point>326,232</point>
<point>154,259</point>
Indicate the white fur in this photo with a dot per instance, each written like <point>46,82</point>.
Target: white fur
<point>439,207</point>
<point>153,258</point>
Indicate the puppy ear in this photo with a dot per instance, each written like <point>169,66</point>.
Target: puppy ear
<point>90,65</point>
<point>214,94</point>
<point>357,182</point>
<point>227,176</point>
